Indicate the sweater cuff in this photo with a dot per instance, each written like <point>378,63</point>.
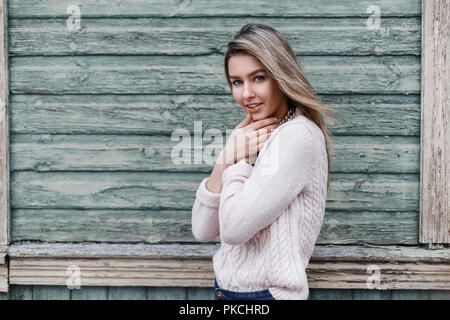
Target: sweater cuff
<point>207,197</point>
<point>239,169</point>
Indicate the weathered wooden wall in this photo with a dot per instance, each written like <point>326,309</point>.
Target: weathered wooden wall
<point>92,112</point>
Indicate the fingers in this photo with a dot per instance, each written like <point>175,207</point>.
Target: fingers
<point>249,144</point>
<point>248,139</point>
<point>263,123</point>
<point>263,131</point>
<point>269,128</point>
<point>258,138</point>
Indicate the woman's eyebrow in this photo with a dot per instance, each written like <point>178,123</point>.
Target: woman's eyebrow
<point>253,72</point>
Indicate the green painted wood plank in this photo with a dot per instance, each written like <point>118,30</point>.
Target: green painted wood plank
<point>142,153</point>
<point>330,294</point>
<point>21,292</point>
<point>202,74</point>
<point>166,293</point>
<point>341,227</point>
<point>165,190</point>
<point>176,36</point>
<point>121,226</point>
<point>410,295</point>
<point>365,294</point>
<point>200,293</point>
<point>127,293</point>
<point>18,293</point>
<point>361,294</point>
<point>51,293</point>
<point>89,293</point>
<point>148,226</point>
<point>439,294</point>
<point>161,8</point>
<point>160,114</point>
<point>395,192</point>
<point>176,293</point>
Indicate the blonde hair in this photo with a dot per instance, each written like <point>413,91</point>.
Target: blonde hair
<point>275,53</point>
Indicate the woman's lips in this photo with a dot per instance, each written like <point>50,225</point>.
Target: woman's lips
<point>254,109</point>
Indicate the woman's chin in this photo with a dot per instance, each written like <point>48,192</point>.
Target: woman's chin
<point>258,116</point>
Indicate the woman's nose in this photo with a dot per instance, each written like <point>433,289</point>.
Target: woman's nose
<point>248,92</point>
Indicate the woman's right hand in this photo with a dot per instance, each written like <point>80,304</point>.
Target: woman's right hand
<point>247,139</point>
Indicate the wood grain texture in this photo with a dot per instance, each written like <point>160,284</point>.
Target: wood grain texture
<point>420,276</point>
<point>196,8</point>
<point>4,283</point>
<point>4,130</point>
<point>200,294</point>
<point>49,292</point>
<point>400,267</point>
<point>156,153</point>
<point>89,293</point>
<point>122,272</point>
<point>171,293</point>
<point>206,251</point>
<point>165,190</point>
<point>154,207</point>
<point>127,293</point>
<point>202,74</point>
<point>162,114</point>
<point>197,36</point>
<point>435,132</point>
<point>174,226</point>
<point>18,293</point>
<point>25,292</point>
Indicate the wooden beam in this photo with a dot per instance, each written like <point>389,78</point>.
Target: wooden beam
<point>4,153</point>
<point>4,149</point>
<point>212,8</point>
<point>435,130</point>
<point>345,267</point>
<point>3,272</point>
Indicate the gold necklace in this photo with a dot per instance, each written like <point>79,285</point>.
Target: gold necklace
<point>289,115</point>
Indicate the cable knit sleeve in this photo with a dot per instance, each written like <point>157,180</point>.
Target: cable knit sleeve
<point>205,219</point>
<point>253,197</point>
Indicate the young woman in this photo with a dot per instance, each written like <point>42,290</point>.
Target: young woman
<point>268,212</point>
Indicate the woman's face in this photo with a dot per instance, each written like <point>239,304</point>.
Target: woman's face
<point>252,85</point>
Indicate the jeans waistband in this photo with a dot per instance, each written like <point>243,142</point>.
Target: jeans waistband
<point>222,294</point>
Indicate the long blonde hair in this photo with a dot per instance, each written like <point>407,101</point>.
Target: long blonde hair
<point>275,53</point>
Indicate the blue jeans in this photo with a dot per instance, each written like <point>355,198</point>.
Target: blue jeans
<point>221,294</point>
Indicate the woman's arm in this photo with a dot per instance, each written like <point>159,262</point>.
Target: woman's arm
<point>205,217</point>
<point>253,197</point>
<point>214,183</point>
<point>205,212</point>
<point>246,139</point>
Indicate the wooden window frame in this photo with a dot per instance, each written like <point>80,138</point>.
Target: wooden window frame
<point>4,149</point>
<point>435,127</point>
<point>331,267</point>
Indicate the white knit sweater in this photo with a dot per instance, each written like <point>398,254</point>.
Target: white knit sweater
<point>268,216</point>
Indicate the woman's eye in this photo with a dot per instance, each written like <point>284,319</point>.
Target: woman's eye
<point>234,82</point>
